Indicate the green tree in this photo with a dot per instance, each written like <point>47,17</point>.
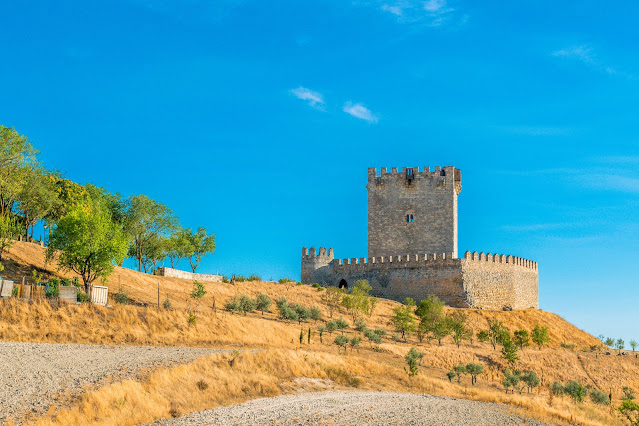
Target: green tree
<point>332,298</point>
<point>633,343</point>
<point>354,342</point>
<point>440,330</point>
<point>460,370</point>
<point>409,301</point>
<point>619,345</point>
<point>331,326</point>
<point>8,231</point>
<point>576,391</point>
<point>413,359</point>
<point>609,342</point>
<point>430,311</point>
<point>198,293</point>
<point>521,338</point>
<point>320,330</point>
<point>146,220</point>
<point>200,244</point>
<point>358,300</point>
<point>403,320</point>
<point>511,379</point>
<point>540,336</point>
<point>263,302</point>
<point>451,375</point>
<point>316,313</point>
<point>36,198</point>
<point>178,246</point>
<point>247,304</point>
<point>17,157</point>
<point>87,243</point>
<point>509,351</point>
<point>482,336</point>
<point>630,410</point>
<point>156,251</point>
<point>360,325</point>
<point>531,380</point>
<point>474,370</point>
<point>341,324</point>
<point>341,341</point>
<point>373,337</point>
<point>457,322</point>
<point>497,333</point>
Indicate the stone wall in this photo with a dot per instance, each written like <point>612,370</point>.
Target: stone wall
<point>428,198</point>
<point>176,273</point>
<point>477,281</point>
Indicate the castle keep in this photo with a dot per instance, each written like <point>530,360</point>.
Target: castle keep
<point>412,248</point>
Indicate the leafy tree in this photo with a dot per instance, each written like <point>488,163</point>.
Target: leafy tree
<point>619,345</point>
<point>497,333</point>
<point>441,329</point>
<point>482,336</point>
<point>531,380</point>
<point>354,342</point>
<point>373,337</point>
<point>200,244</point>
<point>357,302</point>
<point>341,341</point>
<point>8,231</point>
<point>509,351</point>
<point>198,293</point>
<point>247,304</point>
<point>430,311</point>
<point>413,359</point>
<point>540,336</point>
<point>474,370</point>
<point>576,391</point>
<point>303,313</point>
<point>557,389</point>
<point>155,253</point>
<point>321,329</point>
<point>331,326</point>
<point>332,298</point>
<point>263,302</point>
<point>451,375</point>
<point>633,343</point>
<point>177,246</point>
<point>457,322</point>
<point>521,338</point>
<point>232,304</point>
<point>341,324</point>
<point>36,198</point>
<point>403,320</point>
<point>360,325</point>
<point>145,221</point>
<point>609,342</point>
<point>511,379</point>
<point>17,157</point>
<point>630,410</point>
<point>460,370</point>
<point>316,313</point>
<point>87,243</point>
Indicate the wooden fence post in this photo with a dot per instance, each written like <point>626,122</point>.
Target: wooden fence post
<point>158,295</point>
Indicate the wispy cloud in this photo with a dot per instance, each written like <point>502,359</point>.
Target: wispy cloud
<point>314,99</point>
<point>585,54</point>
<point>360,111</point>
<point>433,13</point>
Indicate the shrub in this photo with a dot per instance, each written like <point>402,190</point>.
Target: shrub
<point>557,389</point>
<point>482,336</point>
<point>567,346</point>
<point>372,337</point>
<point>331,326</point>
<point>65,282</point>
<point>288,314</point>
<point>54,282</point>
<point>598,397</point>
<point>202,385</point>
<point>354,342</point>
<point>316,313</point>
<point>317,286</point>
<point>246,304</point>
<point>575,390</point>
<point>413,358</point>
<point>51,292</point>
<point>341,323</point>
<point>451,375</point>
<point>630,410</point>
<point>474,370</point>
<point>281,302</point>
<point>83,297</point>
<point>380,332</point>
<point>119,297</point>
<point>14,292</point>
<point>531,380</point>
<point>254,277</point>
<point>360,325</point>
<point>232,304</point>
<point>285,280</point>
<point>460,370</point>
<point>321,329</point>
<point>303,313</point>
<point>262,302</point>
<point>341,341</point>
<point>511,379</point>
<point>396,338</point>
<point>225,279</point>
<point>192,318</point>
<point>167,303</point>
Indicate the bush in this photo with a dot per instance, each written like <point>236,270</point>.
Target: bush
<point>317,286</point>
<point>303,313</point>
<point>341,341</point>
<point>354,342</point>
<point>567,346</point>
<point>575,390</point>
<point>53,282</point>
<point>380,332</point>
<point>65,282</point>
<point>316,313</point>
<point>372,337</point>
<point>119,297</point>
<point>232,304</point>
<point>413,358</point>
<point>192,318</point>
<point>51,292</point>
<point>360,325</point>
<point>262,302</point>
<point>598,397</point>
<point>254,277</point>
<point>202,385</point>
<point>331,326</point>
<point>341,323</point>
<point>557,389</point>
<point>167,303</point>
<point>83,297</point>
<point>246,304</point>
<point>14,292</point>
<point>287,313</point>
<point>286,280</point>
<point>281,302</point>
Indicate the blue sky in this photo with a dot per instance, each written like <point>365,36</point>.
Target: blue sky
<point>258,120</point>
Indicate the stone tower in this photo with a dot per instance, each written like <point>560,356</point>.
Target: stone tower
<point>412,212</point>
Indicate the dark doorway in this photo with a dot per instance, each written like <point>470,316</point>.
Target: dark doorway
<point>343,284</point>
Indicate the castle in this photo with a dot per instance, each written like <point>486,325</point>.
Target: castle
<point>412,248</point>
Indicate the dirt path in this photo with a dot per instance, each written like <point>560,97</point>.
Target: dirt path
<point>353,408</point>
<point>32,375</point>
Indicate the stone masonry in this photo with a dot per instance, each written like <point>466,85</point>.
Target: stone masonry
<point>412,248</point>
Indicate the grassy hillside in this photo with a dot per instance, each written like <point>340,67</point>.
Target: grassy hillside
<point>382,368</point>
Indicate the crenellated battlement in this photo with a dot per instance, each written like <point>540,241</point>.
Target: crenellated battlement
<point>415,172</point>
<point>312,253</point>
<point>500,258</point>
<point>426,260</point>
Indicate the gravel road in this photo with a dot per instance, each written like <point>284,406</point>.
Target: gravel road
<point>355,408</point>
<point>33,374</point>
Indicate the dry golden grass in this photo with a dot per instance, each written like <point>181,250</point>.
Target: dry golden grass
<point>235,378</point>
<point>279,363</point>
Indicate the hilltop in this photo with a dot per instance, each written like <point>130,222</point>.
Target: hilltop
<point>570,354</point>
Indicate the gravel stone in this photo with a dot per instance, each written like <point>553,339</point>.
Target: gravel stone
<point>355,408</point>
<point>32,375</point>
